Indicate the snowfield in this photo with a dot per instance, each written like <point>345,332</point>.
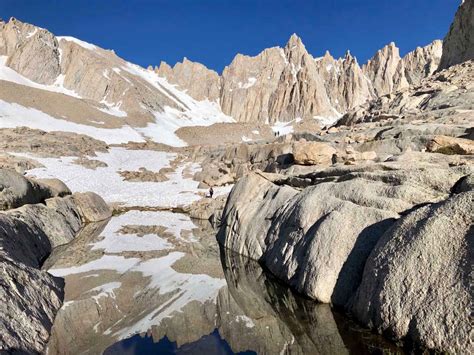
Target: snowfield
<point>108,183</point>
<point>13,115</point>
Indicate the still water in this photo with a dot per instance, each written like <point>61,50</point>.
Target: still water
<point>159,284</point>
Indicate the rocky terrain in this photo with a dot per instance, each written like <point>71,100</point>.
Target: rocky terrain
<point>350,183</point>
<point>36,216</point>
<point>375,215</point>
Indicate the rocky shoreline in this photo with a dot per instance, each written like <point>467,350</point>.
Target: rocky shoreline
<point>35,217</point>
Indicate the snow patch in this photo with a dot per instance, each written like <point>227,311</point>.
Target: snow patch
<point>13,115</point>
<point>248,321</point>
<point>77,41</point>
<point>250,82</point>
<point>112,109</point>
<point>282,128</point>
<point>108,183</point>
<point>32,33</point>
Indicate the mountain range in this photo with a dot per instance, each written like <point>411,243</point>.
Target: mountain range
<point>66,81</point>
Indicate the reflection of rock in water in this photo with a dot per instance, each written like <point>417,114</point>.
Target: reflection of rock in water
<point>104,306</point>
<point>287,323</point>
<point>290,324</point>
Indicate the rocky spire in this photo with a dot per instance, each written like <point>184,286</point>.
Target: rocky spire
<point>381,68</point>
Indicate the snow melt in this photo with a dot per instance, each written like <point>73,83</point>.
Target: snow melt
<point>13,115</point>
<point>282,128</point>
<point>108,183</point>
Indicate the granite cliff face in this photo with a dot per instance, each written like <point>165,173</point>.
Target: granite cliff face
<point>389,72</point>
<point>458,45</point>
<point>281,84</point>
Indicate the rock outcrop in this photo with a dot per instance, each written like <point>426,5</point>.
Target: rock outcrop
<point>447,95</point>
<point>31,225</point>
<point>318,237</point>
<point>416,281</point>
<point>458,45</point>
<point>198,81</point>
<point>389,73</point>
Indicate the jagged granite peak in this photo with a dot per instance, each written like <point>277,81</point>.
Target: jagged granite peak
<point>278,84</point>
<point>199,81</point>
<point>381,69</point>
<point>301,92</point>
<point>422,62</point>
<point>248,82</point>
<point>345,83</point>
<point>458,45</point>
<point>295,43</point>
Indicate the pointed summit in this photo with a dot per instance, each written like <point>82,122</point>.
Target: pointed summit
<point>294,42</point>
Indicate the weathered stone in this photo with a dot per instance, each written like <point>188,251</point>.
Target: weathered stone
<point>55,186</point>
<point>313,153</point>
<point>91,207</point>
<point>416,280</point>
<point>317,240</point>
<point>458,45</point>
<point>16,190</point>
<point>451,145</point>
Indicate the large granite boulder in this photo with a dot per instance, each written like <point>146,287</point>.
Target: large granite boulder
<point>313,153</point>
<point>30,298</point>
<point>317,239</point>
<point>55,186</point>
<point>416,281</point>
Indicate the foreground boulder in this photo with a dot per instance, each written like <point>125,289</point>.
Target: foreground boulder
<point>317,239</point>
<point>92,207</point>
<point>416,280</point>
<point>30,298</point>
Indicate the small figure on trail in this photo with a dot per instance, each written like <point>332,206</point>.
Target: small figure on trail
<point>211,192</point>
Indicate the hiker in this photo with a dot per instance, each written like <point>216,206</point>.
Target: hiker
<point>211,192</point>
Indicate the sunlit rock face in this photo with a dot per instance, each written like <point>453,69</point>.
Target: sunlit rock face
<point>281,84</point>
<point>458,45</point>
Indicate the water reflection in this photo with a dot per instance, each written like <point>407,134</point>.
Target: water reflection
<point>208,344</point>
<point>162,301</point>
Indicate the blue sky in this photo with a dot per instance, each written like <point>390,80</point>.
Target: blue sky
<point>213,31</point>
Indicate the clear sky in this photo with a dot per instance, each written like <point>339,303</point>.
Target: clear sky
<point>213,31</point>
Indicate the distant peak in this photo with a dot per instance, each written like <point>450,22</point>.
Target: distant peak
<point>327,54</point>
<point>294,41</point>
